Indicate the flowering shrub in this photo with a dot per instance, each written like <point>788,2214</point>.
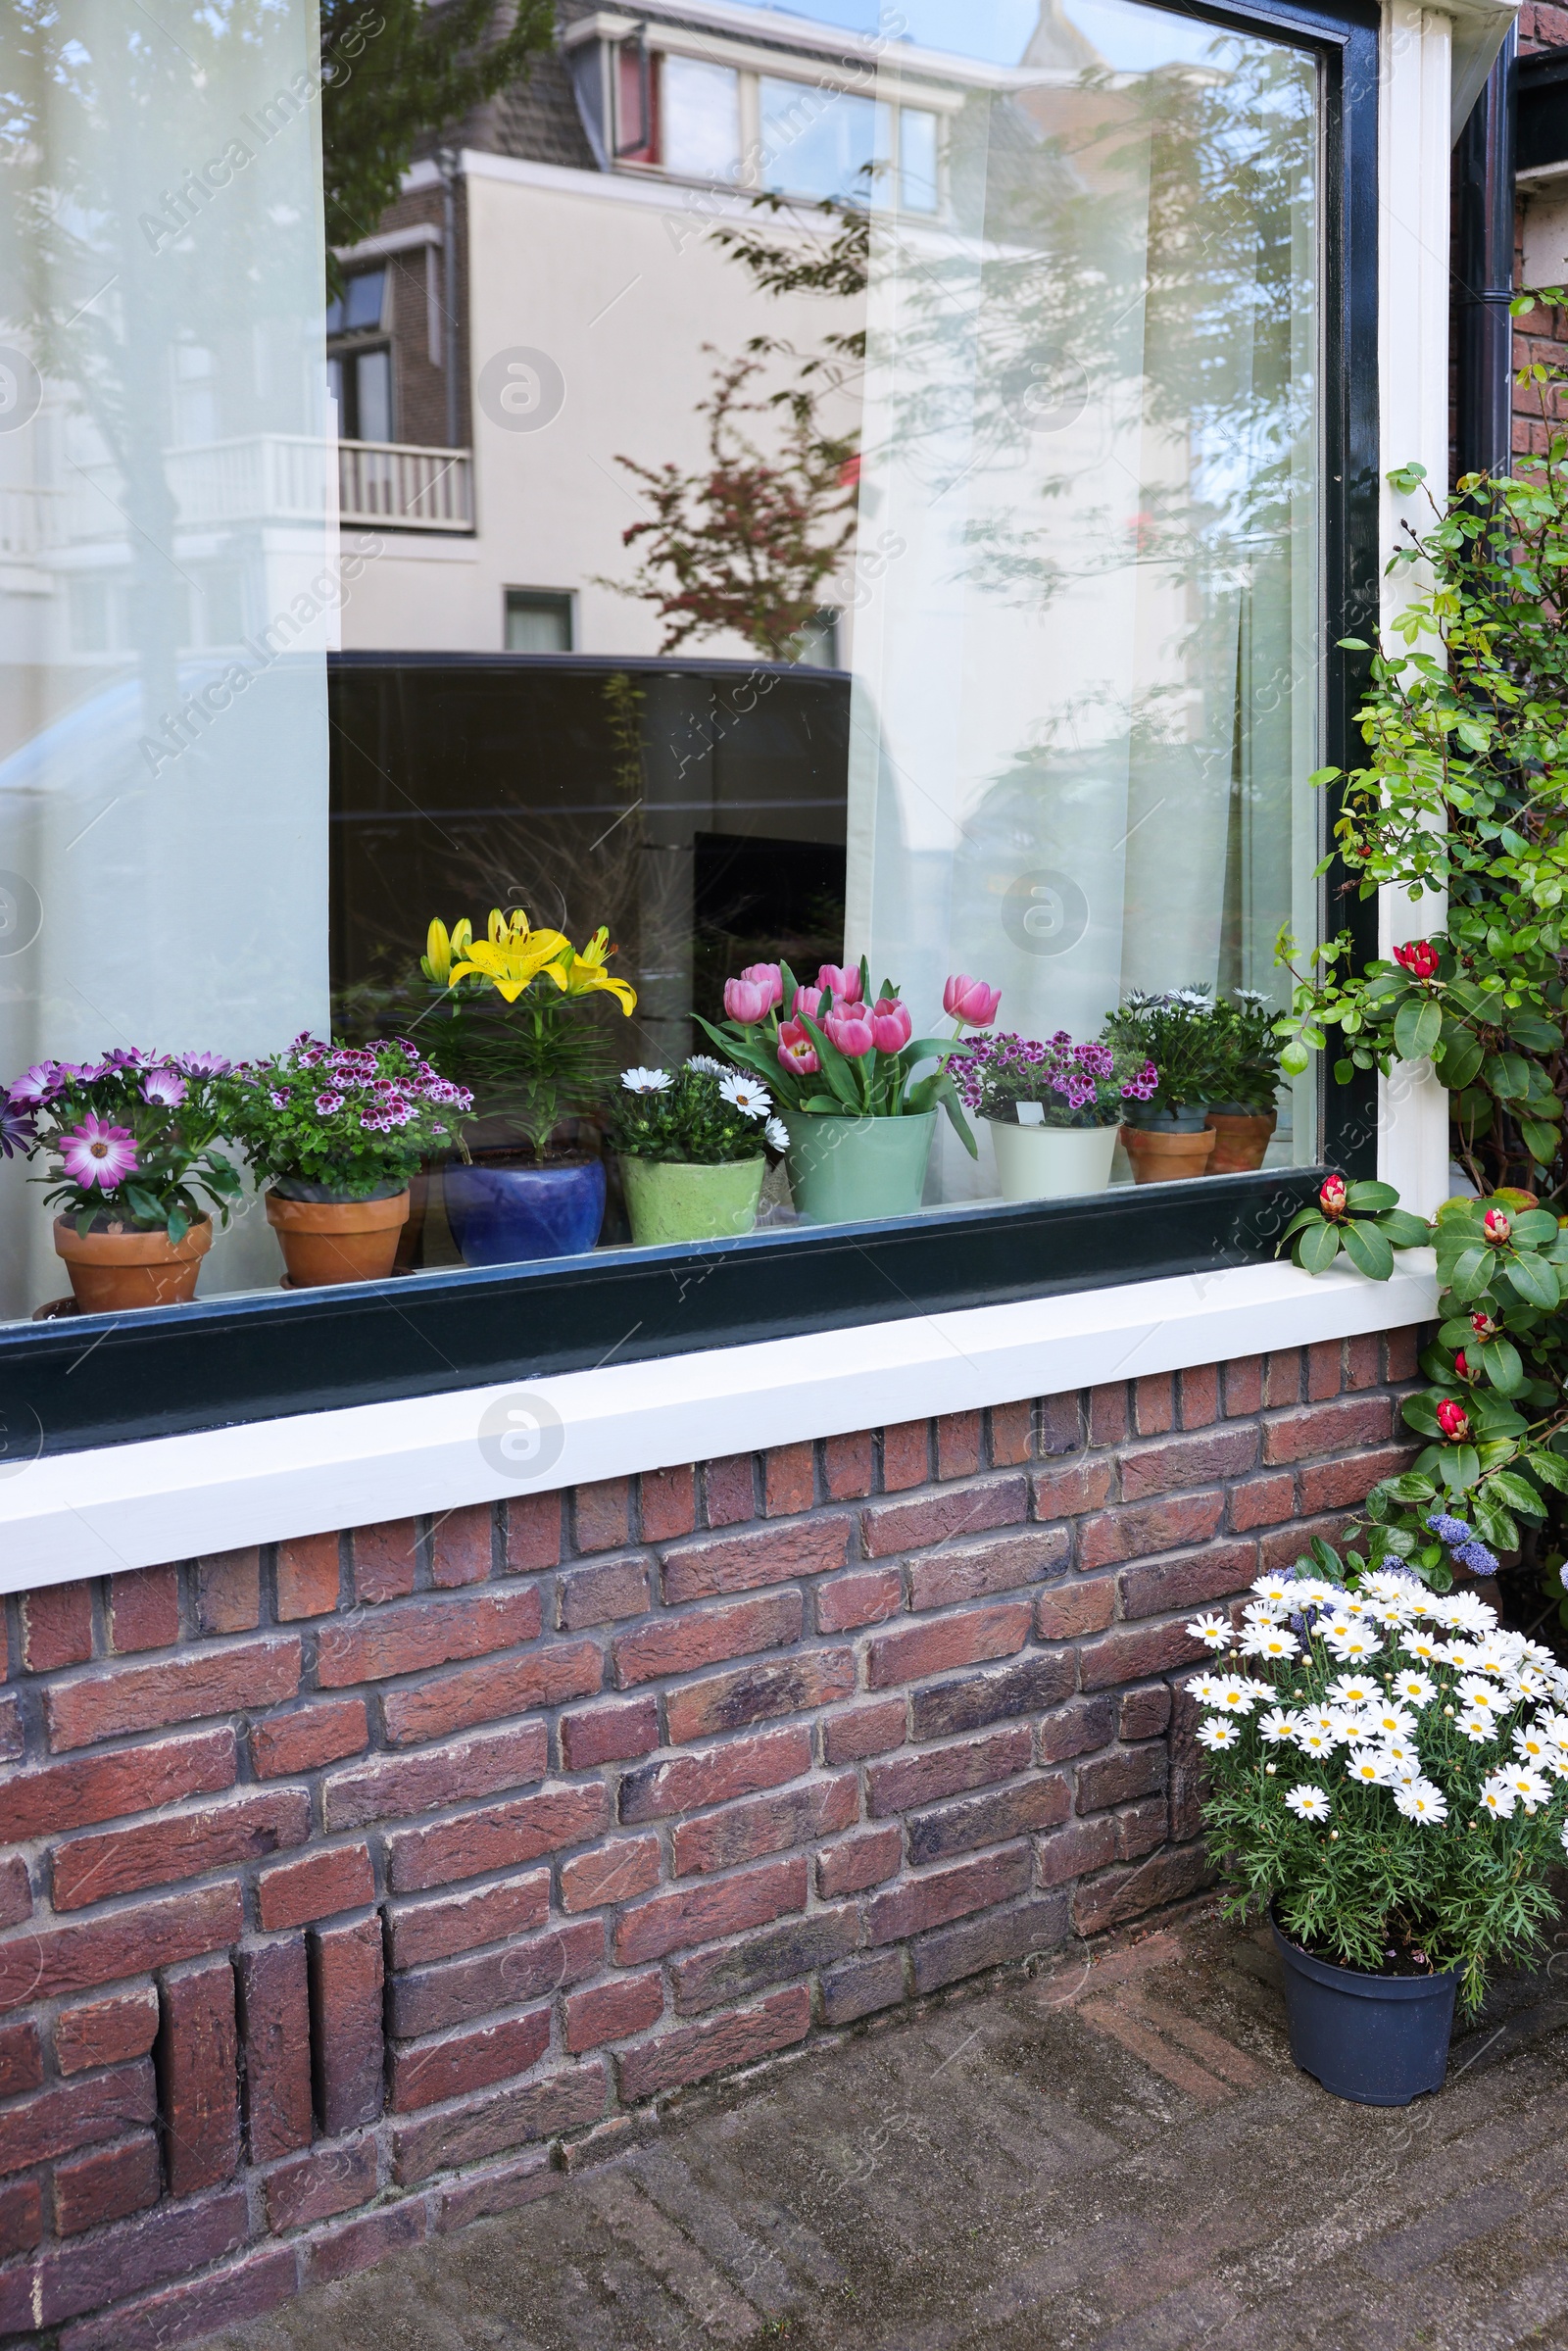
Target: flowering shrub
<point>1364,1219</point>
<point>352,1121</point>
<point>1075,1085</point>
<point>1246,1056</point>
<point>1389,1773</point>
<point>130,1137</point>
<point>702,1114</point>
<point>1184,1034</point>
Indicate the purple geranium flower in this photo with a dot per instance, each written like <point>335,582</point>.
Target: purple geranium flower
<point>327,1103</point>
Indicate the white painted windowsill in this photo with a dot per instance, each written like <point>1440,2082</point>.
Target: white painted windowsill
<point>179,1497</point>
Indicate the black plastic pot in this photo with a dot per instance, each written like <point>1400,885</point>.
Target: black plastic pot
<point>1380,2040</point>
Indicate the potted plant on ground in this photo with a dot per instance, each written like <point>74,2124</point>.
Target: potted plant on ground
<point>1246,1080</point>
<point>335,1133</point>
<point>1389,1782</point>
<point>512,1023</point>
<point>860,1122</point>
<point>1165,1137</point>
<point>1053,1109</point>
<point>693,1151</point>
<point>131,1139</point>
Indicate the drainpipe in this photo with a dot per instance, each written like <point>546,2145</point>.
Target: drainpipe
<point>447,162</point>
<point>1483,273</point>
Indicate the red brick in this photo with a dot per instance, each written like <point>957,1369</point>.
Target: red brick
<point>1006,1563</point>
<point>361,2244</point>
<point>847,1466</point>
<point>846,1602</point>
<point>600,1518</point>
<point>469,2061</point>
<point>1027,1806</point>
<point>245,2289</point>
<point>1324,1364</point>
<point>308,1736</point>
<point>1153,1404</point>
<point>1187,1579</point>
<point>423,1930</point>
<point>1074,1488</point>
<point>1350,1422</point>
<point>942,1894</point>
<point>1344,1484</point>
<point>614,2011</point>
<point>1207,1455</point>
<point>905,1456</point>
<point>668,1502</point>
<point>1140,1827</point>
<point>1132,1653</point>
<point>862,1731</point>
<point>433,1999</point>
<point>1121,1776</point>
<point>21,2059</point>
<point>610,1733</point>
<point>683,1643</point>
<point>1127,1894</point>
<point>1400,1349</point>
<point>740,1768</point>
<point>319,2186</point>
<point>614,1873</point>
<point>275,2022</point>
<point>383,1561</point>
<point>603,1594</point>
<point>968,1509</point>
<point>315,1886</point>
<point>1262,1502</point>
<point>745,1831</point>
<point>21,2221</point>
<point>198,2076</point>
<point>68,2115</point>
<point>106,2187</point>
<point>429,1632</point>
<point>1068,1611</point>
<point>491,1692</point>
<point>689,1915</point>
<point>705,1568</point>
<point>1012,1434</point>
<point>307,1577</point>
<point>1362,1364</point>
<point>1062,1424</point>
<point>964,1638</point>
<point>905,1780</point>
<point>1145,1713</point>
<point>789,1480</point>
<point>1077,1729</point>
<point>1199,1395</point>
<point>1040,1680</point>
<point>56,1627</point>
<point>45,1963</point>
<point>460,1545</point>
<point>346,1976</point>
<point>143,1611</point>
<point>498,2187</point>
<point>1140,1528</point>
<point>1282,1547</point>
<point>228,1592</point>
<point>499,2120</point>
<point>958,1445</point>
<point>495,1836</point>
<point>1282,1377</point>
<point>151,2248</point>
<point>16,1894</point>
<point>178,1846</point>
<point>531,1532</point>
<point>106,2031</point>
<point>729,1490</point>
<point>757,1694</point>
<point>1075,1850</point>
<point>692,2052</point>
<point>857,1862</point>
<point>12,1735</point>
<point>1108,1413</point>
<point>396,1787</point>
<point>1243,1386</point>
<point>224,1678</point>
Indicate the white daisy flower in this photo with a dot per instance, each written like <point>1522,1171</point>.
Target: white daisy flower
<point>1565,1837</point>
<point>706,1061</point>
<point>1401,1754</point>
<point>747,1096</point>
<point>1386,1584</point>
<point>1278,1592</point>
<point>1492,1657</point>
<point>645,1081</point>
<point>1531,1747</point>
<point>1270,1640</point>
<point>1386,1721</point>
<point>1354,1605</point>
<point>778,1135</point>
<point>1310,1591</point>
<point>1479,1728</point>
<point>1483,1697</point>
<point>1352,1644</point>
<point>1424,1645</point>
<point>1212,1631</point>
<point>1277,1725</point>
<point>1218,1735</point>
<point>1369,1765</point>
<point>1311,1804</point>
<point>1422,1801</point>
<point>1390,1614</point>
<point>1321,1718</point>
<point>1237,1695</point>
<point>1262,1612</point>
<point>1497,1798</point>
<point>1528,1682</point>
<point>1463,1608</point>
<point>1207,1688</point>
<point>1350,1723</point>
<point>1413,1689</point>
<point>1460,1654</point>
<point>1528,1788</point>
<point>1356,1690</point>
<point>1313,1742</point>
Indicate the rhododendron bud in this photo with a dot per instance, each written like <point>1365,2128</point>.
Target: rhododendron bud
<point>1497,1227</point>
<point>748,1000</point>
<point>807,1000</point>
<point>1331,1195</point>
<point>970,1000</point>
<point>768,975</point>
<point>1454,1420</point>
<point>891,1025</point>
<point>845,982</point>
<point>1483,1325</point>
<point>795,1051</point>
<point>851,1032</point>
<point>1419,957</point>
<point>1461,1365</point>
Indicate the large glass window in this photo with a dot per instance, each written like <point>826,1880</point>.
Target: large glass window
<point>922,457</point>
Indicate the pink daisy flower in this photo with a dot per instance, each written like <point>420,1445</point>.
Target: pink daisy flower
<point>165,1086</point>
<point>95,1154</point>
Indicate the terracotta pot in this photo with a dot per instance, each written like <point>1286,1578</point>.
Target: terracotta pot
<point>1243,1138</point>
<point>326,1240</point>
<point>1165,1154</point>
<point>123,1269</point>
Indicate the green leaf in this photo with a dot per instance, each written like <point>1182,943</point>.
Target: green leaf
<point>835,1068</point>
<point>1317,1247</point>
<point>1405,1230</point>
<point>1368,1251</point>
<point>177,1227</point>
<point>1420,1413</point>
<point>1514,1494</point>
<point>1534,1229</point>
<point>1492,1522</point>
<point>1540,1140</point>
<point>1536,1035</point>
<point>1462,1052</point>
<point>1461,1468</point>
<point>1364,1196</point>
<point>1550,1467</point>
<point>1533,1279</point>
<point>1499,1360</point>
<point>1472,1270</point>
<point>1413,1488</point>
<point>1417,1026</point>
<point>1508,1076</point>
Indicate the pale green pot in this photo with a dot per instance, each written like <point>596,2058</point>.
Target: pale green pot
<point>854,1170</point>
<point>674,1199</point>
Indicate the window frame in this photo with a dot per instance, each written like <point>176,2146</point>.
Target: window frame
<point>68,1385</point>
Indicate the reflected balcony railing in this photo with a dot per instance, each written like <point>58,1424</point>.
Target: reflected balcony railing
<point>263,479</point>
<point>405,487</point>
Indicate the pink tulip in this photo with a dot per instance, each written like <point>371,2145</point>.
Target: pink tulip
<point>807,1000</point>
<point>891,1025</point>
<point>748,1000</point>
<point>851,1032</point>
<point>772,976</point>
<point>845,983</point>
<point>795,1051</point>
<point>970,1000</point>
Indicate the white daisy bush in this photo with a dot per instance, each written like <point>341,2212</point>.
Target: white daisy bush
<point>1388,1772</point>
<point>701,1115</point>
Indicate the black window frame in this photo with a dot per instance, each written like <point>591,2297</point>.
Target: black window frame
<point>67,1384</point>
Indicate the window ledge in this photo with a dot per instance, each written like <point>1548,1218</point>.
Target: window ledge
<point>177,1498</point>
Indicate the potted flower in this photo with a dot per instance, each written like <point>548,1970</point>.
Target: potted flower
<point>1053,1109</point>
<point>1166,1138</point>
<point>1389,1782</point>
<point>335,1133</point>
<point>130,1139</point>
<point>511,1022</point>
<point>1246,1080</point>
<point>860,1122</point>
<point>693,1151</point>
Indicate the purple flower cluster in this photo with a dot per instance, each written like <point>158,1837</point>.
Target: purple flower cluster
<point>354,1078</point>
<point>995,1071</point>
<point>1464,1542</point>
<point>164,1077</point>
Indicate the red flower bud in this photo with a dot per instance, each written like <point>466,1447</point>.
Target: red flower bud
<point>1454,1420</point>
<point>1461,1365</point>
<point>1331,1195</point>
<point>1419,957</point>
<point>1483,1325</point>
<point>1497,1227</point>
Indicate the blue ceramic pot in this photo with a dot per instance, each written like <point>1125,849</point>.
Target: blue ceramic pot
<point>503,1215</point>
<point>1378,2040</point>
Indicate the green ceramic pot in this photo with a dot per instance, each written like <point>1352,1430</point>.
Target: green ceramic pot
<point>674,1199</point>
<point>856,1170</point>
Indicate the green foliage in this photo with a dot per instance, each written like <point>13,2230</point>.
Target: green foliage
<point>1364,1219</point>
<point>1187,1037</point>
<point>688,1119</point>
<point>533,1064</point>
<point>354,1121</point>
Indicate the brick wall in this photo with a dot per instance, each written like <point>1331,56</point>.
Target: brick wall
<point>353,1887</point>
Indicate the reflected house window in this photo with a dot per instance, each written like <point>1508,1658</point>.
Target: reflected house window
<point>700,119</point>
<point>823,142</point>
<point>360,368</point>
<point>918,190</point>
<point>538,621</point>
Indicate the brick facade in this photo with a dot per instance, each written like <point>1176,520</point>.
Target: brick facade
<point>354,1886</point>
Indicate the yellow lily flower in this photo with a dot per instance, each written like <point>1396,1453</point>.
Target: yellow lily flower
<point>514,956</point>
<point>586,974</point>
<point>442,951</point>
